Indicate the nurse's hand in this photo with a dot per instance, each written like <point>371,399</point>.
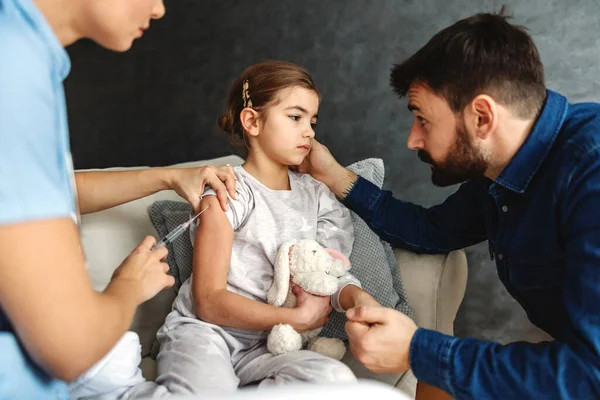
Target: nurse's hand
<point>144,271</point>
<point>189,183</point>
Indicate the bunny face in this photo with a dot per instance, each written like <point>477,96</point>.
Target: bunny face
<point>308,256</point>
<point>310,266</point>
<point>313,268</point>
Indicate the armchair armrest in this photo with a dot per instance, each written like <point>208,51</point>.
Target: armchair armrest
<point>434,286</point>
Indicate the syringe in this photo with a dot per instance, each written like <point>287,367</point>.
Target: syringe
<point>174,234</point>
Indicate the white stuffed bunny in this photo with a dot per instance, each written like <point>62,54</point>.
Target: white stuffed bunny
<point>316,270</point>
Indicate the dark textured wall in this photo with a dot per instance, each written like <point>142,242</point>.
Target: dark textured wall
<point>158,103</point>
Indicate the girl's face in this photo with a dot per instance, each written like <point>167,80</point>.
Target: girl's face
<point>115,24</point>
<point>287,129</point>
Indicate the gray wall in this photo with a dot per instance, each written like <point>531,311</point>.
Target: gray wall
<point>158,103</point>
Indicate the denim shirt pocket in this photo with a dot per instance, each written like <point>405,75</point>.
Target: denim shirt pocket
<point>535,274</point>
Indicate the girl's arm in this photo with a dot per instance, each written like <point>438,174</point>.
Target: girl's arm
<point>352,296</point>
<point>213,303</point>
<point>335,230</point>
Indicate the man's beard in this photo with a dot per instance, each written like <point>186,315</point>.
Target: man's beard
<point>462,163</point>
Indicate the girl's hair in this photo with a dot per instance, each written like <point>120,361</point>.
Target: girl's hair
<point>258,88</point>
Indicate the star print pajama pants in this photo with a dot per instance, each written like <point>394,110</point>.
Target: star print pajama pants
<point>199,357</point>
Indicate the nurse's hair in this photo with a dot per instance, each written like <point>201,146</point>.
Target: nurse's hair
<point>258,87</point>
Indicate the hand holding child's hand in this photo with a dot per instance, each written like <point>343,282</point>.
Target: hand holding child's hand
<point>380,338</point>
<point>312,311</point>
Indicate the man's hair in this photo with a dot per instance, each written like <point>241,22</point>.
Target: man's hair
<point>482,54</point>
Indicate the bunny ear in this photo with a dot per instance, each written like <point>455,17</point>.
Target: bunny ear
<point>339,256</point>
<point>281,281</point>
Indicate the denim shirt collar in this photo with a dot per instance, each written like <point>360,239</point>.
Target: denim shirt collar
<point>61,63</point>
<point>523,166</point>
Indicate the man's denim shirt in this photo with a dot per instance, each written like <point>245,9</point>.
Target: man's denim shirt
<point>541,218</point>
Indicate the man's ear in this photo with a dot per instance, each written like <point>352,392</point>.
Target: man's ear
<point>250,121</point>
<point>482,115</point>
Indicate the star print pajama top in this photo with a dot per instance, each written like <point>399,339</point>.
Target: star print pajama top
<point>197,355</point>
<point>264,219</point>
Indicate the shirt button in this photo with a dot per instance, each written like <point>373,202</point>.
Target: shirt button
<point>504,208</point>
<point>500,256</point>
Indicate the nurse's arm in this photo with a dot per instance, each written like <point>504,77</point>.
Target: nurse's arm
<point>45,290</point>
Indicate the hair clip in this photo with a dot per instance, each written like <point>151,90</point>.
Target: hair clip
<point>246,95</point>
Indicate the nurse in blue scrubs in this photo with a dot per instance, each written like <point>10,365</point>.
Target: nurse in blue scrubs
<point>53,325</point>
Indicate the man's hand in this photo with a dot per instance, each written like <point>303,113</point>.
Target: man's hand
<point>323,167</point>
<point>380,338</point>
<point>319,161</point>
<point>312,311</point>
<point>189,183</point>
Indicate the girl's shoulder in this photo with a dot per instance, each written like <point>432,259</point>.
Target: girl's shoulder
<point>306,179</point>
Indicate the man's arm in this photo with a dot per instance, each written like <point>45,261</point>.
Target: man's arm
<point>387,341</point>
<point>477,369</point>
<point>455,224</point>
<point>568,369</point>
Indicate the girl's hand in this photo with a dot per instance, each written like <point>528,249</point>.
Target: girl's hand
<point>189,183</point>
<point>312,311</point>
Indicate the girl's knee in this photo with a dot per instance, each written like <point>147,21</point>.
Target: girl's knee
<point>342,374</point>
<point>327,370</point>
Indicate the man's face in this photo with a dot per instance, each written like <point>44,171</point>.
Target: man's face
<point>442,139</point>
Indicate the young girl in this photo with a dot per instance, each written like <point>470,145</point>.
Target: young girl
<point>215,337</point>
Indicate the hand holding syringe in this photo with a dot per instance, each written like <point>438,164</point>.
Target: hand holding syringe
<point>174,234</point>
